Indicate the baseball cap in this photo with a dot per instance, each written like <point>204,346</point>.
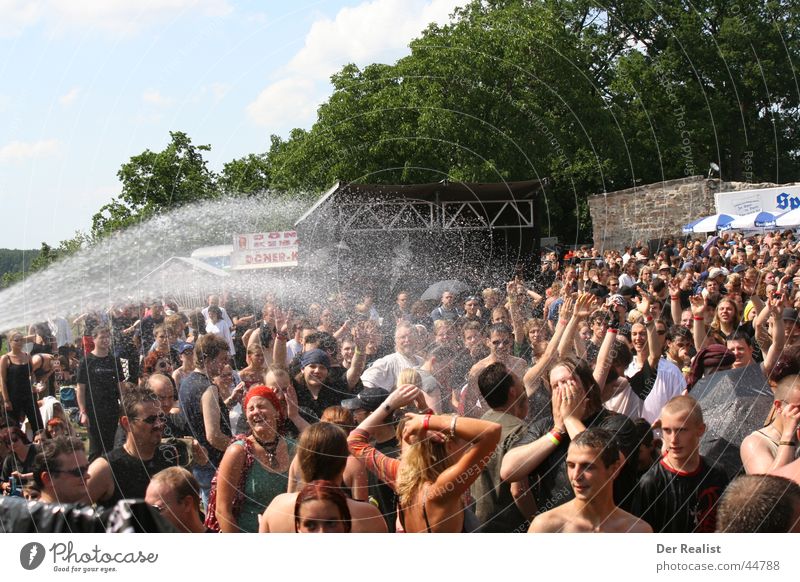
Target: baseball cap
<point>369,399</point>
<point>184,347</point>
<point>790,314</point>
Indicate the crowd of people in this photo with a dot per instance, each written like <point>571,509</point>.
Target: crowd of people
<point>559,403</point>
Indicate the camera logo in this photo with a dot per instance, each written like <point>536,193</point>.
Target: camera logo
<point>31,555</point>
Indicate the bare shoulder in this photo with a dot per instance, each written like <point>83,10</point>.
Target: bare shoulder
<point>366,517</point>
<point>624,522</point>
<point>279,515</point>
<point>552,521</point>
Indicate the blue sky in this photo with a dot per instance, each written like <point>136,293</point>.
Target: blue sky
<point>86,84</point>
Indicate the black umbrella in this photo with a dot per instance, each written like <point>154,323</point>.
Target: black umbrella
<point>734,403</point>
<point>434,292</point>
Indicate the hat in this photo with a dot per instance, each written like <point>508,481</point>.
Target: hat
<point>626,291</point>
<point>315,357</point>
<point>663,266</point>
<point>184,347</point>
<point>617,299</point>
<point>368,399</point>
<point>790,314</point>
<point>739,268</point>
<point>714,273</point>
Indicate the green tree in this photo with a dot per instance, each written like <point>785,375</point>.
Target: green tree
<point>245,176</point>
<point>157,181</point>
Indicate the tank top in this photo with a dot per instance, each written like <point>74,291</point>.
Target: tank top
<point>18,380</point>
<point>773,446</point>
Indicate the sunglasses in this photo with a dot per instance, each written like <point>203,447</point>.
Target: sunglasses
<point>77,472</point>
<point>152,419</point>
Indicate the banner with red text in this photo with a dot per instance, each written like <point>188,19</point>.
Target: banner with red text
<point>265,250</point>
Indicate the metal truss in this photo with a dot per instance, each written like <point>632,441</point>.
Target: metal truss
<point>421,215</point>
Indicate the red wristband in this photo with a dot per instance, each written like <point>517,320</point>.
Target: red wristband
<point>426,422</point>
<point>648,319</point>
<point>698,318</point>
<point>612,330</point>
<point>674,297</point>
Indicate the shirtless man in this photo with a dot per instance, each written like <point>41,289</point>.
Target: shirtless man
<point>500,344</point>
<point>593,461</point>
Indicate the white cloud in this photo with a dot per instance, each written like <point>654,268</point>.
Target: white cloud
<point>119,17</point>
<point>154,97</point>
<point>69,97</point>
<point>373,31</point>
<point>217,90</point>
<point>17,15</point>
<point>20,150</point>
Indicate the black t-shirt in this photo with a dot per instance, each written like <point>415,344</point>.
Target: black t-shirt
<point>121,341</point>
<point>311,408</point>
<point>11,463</point>
<point>190,396</point>
<point>146,328</point>
<point>132,474</point>
<point>549,481</point>
<point>101,377</point>
<point>675,502</point>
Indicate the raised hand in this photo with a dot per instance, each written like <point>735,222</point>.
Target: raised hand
<point>698,304</point>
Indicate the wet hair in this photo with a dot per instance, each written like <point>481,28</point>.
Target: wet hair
<point>46,460</point>
<point>473,326</point>
<point>737,315</point>
<point>340,416</point>
<point>322,452</point>
<point>740,334</point>
<point>788,364</point>
<point>134,397</point>
<point>322,490</point>
<point>678,331</point>
<point>644,432</point>
<point>581,370</point>
<point>495,383</point>
<point>324,341</point>
<point>599,439</point>
<point>786,385</point>
<point>758,504</point>
<point>500,328</point>
<point>98,329</point>
<point>423,462</point>
<point>181,482</point>
<point>409,376</point>
<point>213,309</point>
<point>209,347</point>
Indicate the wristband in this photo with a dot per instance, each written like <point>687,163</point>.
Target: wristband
<point>698,318</point>
<point>453,425</point>
<point>426,422</point>
<point>358,352</point>
<point>612,330</point>
<point>787,443</point>
<point>283,336</point>
<point>555,437</point>
<point>648,319</point>
<point>675,297</point>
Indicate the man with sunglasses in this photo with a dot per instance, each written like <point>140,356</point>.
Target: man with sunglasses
<point>125,472</point>
<point>500,344</point>
<point>61,470</point>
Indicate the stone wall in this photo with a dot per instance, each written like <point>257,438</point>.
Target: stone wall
<point>655,211</point>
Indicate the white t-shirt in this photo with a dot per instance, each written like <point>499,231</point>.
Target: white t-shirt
<point>223,330</point>
<point>383,372</point>
<point>669,383</point>
<point>624,401</point>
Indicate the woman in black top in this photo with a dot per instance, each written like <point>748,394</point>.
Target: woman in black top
<point>15,384</point>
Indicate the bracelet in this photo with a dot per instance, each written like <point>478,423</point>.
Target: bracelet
<point>426,422</point>
<point>787,443</point>
<point>555,437</point>
<point>282,336</point>
<point>698,318</point>
<point>675,297</point>
<point>453,425</point>
<point>612,330</point>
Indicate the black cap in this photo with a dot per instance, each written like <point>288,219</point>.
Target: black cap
<point>369,399</point>
<point>790,314</point>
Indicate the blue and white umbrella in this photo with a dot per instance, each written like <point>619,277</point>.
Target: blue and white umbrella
<point>760,219</point>
<point>711,223</point>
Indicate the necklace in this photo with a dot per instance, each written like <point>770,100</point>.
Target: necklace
<point>270,448</point>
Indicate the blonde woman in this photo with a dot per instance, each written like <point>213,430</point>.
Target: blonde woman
<point>442,456</point>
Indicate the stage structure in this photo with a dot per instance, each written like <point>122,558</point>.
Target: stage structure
<point>390,235</point>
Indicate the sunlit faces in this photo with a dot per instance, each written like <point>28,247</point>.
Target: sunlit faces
<point>682,434</point>
<point>500,343</point>
<point>472,338</point>
<point>315,375</point>
<point>404,341</point>
<point>162,387</point>
<point>639,336</point>
<point>348,350</point>
<point>447,299</point>
<point>68,477</point>
<point>262,417</point>
<point>445,334</point>
<point>214,366</point>
<point>712,287</point>
<point>679,349</point>
<point>741,351</point>
<point>726,311</point>
<point>103,340</point>
<point>163,499</point>
<point>402,300</point>
<point>686,319</point>
<point>147,424</point>
<point>587,472</point>
<point>320,516</point>
<point>471,307</point>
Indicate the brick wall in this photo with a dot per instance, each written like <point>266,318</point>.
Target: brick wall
<point>655,211</point>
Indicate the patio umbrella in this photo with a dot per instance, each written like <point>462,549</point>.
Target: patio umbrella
<point>734,403</point>
<point>758,219</point>
<point>712,223</point>
<point>791,218</point>
<point>434,292</point>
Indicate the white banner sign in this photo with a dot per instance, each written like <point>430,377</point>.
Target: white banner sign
<point>264,250</point>
<point>776,200</point>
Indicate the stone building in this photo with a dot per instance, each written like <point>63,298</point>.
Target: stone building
<point>656,211</point>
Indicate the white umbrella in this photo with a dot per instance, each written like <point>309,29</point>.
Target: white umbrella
<point>791,218</point>
<point>713,223</point>
<point>754,220</point>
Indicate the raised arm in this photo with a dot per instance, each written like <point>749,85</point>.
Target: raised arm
<point>517,320</point>
<point>775,307</point>
<point>676,310</point>
<point>359,362</point>
<point>211,417</point>
<point>481,434</point>
<point>531,378</point>
<point>698,321</point>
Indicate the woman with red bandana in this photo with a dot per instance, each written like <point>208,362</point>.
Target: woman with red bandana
<point>255,467</point>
